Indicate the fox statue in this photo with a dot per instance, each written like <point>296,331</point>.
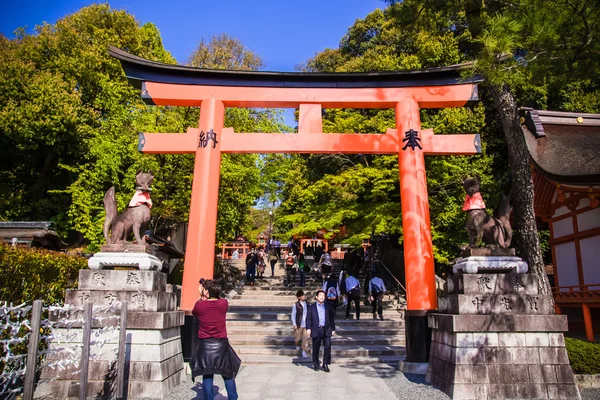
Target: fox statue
<point>494,231</point>
<point>137,215</point>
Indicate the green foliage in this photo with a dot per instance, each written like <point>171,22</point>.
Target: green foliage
<point>69,121</point>
<point>36,274</point>
<point>583,356</point>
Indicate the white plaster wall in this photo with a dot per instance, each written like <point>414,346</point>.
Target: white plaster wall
<point>562,227</point>
<point>583,203</point>
<point>590,259</point>
<point>588,220</point>
<point>566,264</point>
<point>561,211</point>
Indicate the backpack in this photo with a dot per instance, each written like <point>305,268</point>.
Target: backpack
<point>249,260</point>
<point>289,262</point>
<point>332,293</point>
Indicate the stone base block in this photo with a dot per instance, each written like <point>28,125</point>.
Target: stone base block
<point>505,304</point>
<point>492,284</point>
<point>142,281</point>
<point>104,389</point>
<point>143,261</point>
<point>126,248</point>
<point>135,319</point>
<point>137,301</point>
<point>472,265</point>
<point>498,323</point>
<point>487,252</point>
<point>155,371</point>
<point>413,368</point>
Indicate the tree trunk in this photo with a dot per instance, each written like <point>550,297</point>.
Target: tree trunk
<point>522,184</point>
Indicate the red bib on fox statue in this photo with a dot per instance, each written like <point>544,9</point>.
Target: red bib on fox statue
<point>140,198</point>
<point>474,202</point>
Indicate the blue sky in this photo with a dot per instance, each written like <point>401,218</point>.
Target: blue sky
<point>283,33</point>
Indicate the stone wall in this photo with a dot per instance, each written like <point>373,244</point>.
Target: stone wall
<point>498,338</point>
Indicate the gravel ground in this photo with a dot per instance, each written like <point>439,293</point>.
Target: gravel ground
<point>590,394</point>
<point>409,386</point>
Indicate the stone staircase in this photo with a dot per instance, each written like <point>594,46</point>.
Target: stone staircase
<point>260,330</point>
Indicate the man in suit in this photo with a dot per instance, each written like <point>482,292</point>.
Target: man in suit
<point>320,324</point>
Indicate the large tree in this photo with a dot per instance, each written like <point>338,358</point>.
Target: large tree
<point>532,53</point>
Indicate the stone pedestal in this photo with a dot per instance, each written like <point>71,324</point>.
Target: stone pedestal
<point>495,336</point>
<point>153,354</point>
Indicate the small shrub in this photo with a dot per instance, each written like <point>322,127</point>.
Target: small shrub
<point>584,356</point>
<point>37,274</point>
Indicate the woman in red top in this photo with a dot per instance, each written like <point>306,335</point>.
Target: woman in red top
<point>214,354</point>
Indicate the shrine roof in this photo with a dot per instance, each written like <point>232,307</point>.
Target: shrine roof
<point>139,70</point>
<point>565,147</point>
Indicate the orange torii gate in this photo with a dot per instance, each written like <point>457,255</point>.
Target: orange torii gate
<point>213,90</point>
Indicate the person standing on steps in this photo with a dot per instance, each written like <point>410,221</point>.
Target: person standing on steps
<point>332,290</point>
<point>326,263</point>
<point>291,265</point>
<point>273,259</point>
<point>302,267</point>
<point>277,246</point>
<point>353,295</point>
<point>251,263</point>
<point>320,324</point>
<point>318,252</point>
<point>214,355</point>
<point>299,313</point>
<point>377,289</point>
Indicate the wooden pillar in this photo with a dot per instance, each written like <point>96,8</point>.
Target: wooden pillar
<point>418,249</point>
<point>587,320</point>
<point>557,309</point>
<point>202,228</point>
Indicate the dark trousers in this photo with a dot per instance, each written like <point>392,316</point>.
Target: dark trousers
<point>273,262</point>
<point>377,304</point>
<point>250,273</point>
<point>353,296</point>
<point>302,278</point>
<point>291,276</point>
<point>316,346</point>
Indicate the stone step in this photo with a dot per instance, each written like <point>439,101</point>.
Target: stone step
<point>285,316</point>
<point>336,350</point>
<point>286,307</point>
<point>277,359</point>
<point>340,340</point>
<point>287,330</point>
<point>385,324</point>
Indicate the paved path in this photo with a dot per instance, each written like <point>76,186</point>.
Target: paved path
<point>297,382</point>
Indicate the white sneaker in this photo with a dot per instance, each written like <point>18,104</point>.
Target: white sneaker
<point>297,348</point>
<point>304,355</point>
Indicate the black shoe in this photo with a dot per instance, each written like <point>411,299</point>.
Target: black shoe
<point>325,368</point>
<point>381,317</point>
<point>374,316</point>
<point>316,367</point>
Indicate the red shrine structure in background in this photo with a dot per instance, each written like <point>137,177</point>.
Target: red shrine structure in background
<point>214,90</point>
<point>565,154</point>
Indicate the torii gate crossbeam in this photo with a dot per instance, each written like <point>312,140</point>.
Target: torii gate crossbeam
<point>405,91</point>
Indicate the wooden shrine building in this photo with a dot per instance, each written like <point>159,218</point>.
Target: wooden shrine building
<point>565,152</point>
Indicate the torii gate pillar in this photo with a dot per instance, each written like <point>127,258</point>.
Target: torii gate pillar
<point>418,248</point>
<point>202,225</point>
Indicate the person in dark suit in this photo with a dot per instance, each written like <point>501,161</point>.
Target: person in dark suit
<point>320,324</point>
